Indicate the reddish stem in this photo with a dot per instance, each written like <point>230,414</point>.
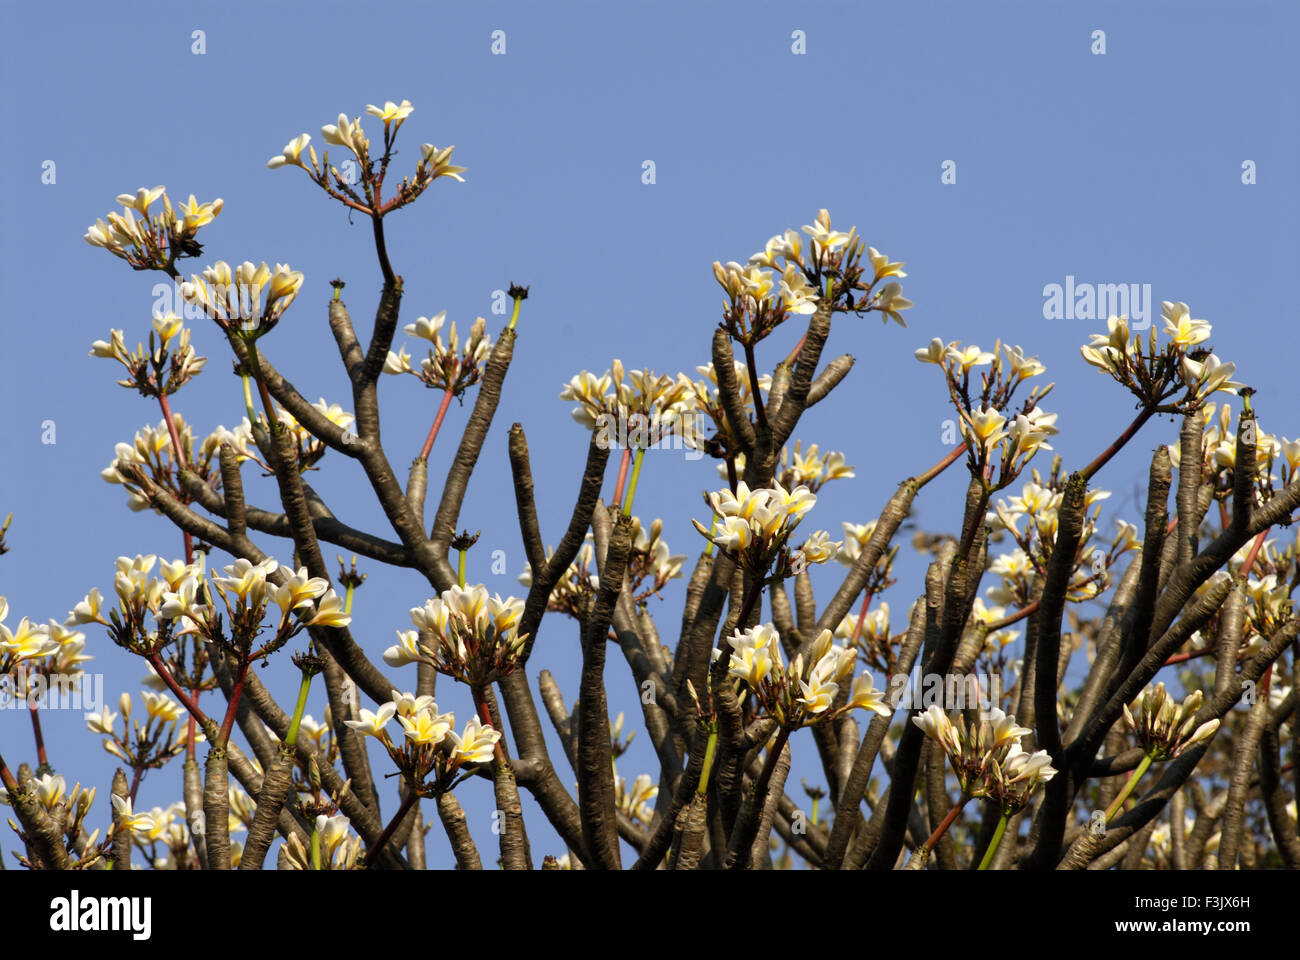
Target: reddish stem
<point>177,453</point>
<point>229,721</point>
<point>862,616</point>
<point>1016,617</point>
<point>622,477</point>
<point>941,466</point>
<point>137,774</point>
<point>945,823</point>
<point>42,761</point>
<point>437,423</point>
<point>1254,551</point>
<point>7,778</point>
<point>161,669</point>
<point>798,348</point>
<point>1189,655</point>
<point>1129,432</point>
<point>266,402</point>
<point>372,855</point>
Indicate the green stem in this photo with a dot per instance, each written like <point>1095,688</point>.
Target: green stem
<point>248,397</point>
<point>291,738</point>
<point>514,314</point>
<point>255,362</point>
<point>1133,779</point>
<point>709,748</point>
<point>315,848</point>
<point>460,570</point>
<point>631,486</point>
<point>997,839</point>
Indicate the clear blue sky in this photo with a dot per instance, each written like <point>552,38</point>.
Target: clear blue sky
<point>1117,168</point>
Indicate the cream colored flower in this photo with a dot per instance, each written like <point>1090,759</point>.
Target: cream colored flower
<point>372,724</point>
<point>1182,329</point>
<point>476,745</point>
<point>890,302</point>
<point>391,112</point>
<point>292,154</point>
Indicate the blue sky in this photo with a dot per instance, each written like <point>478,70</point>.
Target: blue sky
<point>1122,167</point>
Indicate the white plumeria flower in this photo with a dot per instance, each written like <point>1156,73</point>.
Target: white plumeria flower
<point>372,724</point>
<point>406,651</point>
<point>967,357</point>
<point>426,328</point>
<point>329,612</point>
<point>865,696</point>
<point>936,725</point>
<point>391,112</point>
<point>1182,329</point>
<point>934,352</point>
<point>755,653</point>
<point>101,722</point>
<point>408,704</point>
<point>426,727</point>
<point>477,744</point>
<point>347,134</point>
<point>1209,376</point>
<point>292,154</point>
<point>161,706</point>
<point>127,819</point>
<point>299,591</point>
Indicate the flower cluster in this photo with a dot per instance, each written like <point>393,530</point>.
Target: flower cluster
<point>1039,503</point>
<point>465,633</point>
<point>148,745</point>
<point>180,604</point>
<point>339,848</point>
<point>246,595</point>
<point>448,366</point>
<point>234,298</point>
<point>576,586</point>
<point>1164,727</point>
<point>649,559</point>
<point>151,455</point>
<point>310,448</point>
<point>155,241</point>
<point>430,743</point>
<point>162,369</point>
<point>989,421</point>
<point>987,756</point>
<point>830,268</point>
<point>359,185</point>
<point>639,413</point>
<point>1155,375</point>
<point>811,468</point>
<point>634,801</point>
<point>754,525</point>
<point>26,641</point>
<point>67,810</point>
<point>807,691</point>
